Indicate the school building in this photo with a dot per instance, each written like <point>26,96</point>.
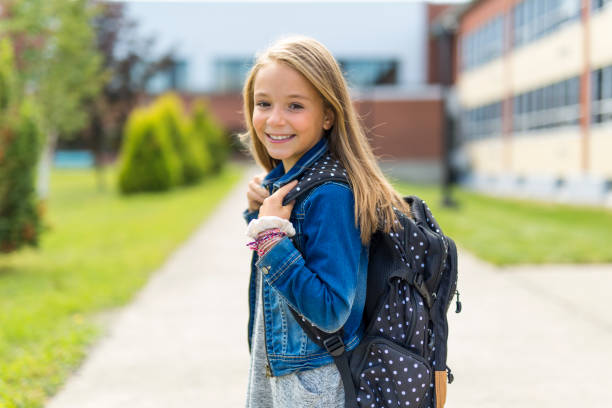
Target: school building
<point>384,48</point>
<point>534,82</point>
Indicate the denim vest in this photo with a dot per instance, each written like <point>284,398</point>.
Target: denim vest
<point>321,272</point>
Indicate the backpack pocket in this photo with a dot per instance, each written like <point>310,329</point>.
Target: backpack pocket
<point>389,375</point>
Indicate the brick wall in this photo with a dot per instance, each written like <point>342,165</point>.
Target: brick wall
<point>398,129</point>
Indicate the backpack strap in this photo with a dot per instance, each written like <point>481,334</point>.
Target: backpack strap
<point>332,342</point>
<point>326,168</point>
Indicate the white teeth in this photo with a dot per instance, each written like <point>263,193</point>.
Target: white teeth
<point>279,137</point>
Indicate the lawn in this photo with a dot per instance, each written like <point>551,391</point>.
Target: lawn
<point>99,250</point>
<point>508,231</point>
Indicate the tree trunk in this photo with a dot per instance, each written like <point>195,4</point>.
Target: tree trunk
<point>44,166</point>
<point>98,144</point>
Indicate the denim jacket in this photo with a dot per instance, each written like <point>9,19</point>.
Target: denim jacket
<point>320,272</point>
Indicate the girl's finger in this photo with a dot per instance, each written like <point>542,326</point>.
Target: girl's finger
<point>282,192</point>
<point>263,191</point>
<point>256,186</point>
<point>255,197</point>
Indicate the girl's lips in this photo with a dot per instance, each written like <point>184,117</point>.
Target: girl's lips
<point>279,140</point>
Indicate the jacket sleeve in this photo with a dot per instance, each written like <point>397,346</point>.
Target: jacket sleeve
<point>319,283</point>
<point>250,215</point>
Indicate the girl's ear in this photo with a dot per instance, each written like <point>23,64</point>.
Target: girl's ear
<point>328,119</point>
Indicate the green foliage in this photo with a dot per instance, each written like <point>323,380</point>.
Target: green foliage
<point>7,74</point>
<point>61,64</point>
<point>148,159</point>
<point>169,116</point>
<point>206,128</point>
<point>52,300</point>
<point>163,147</point>
<point>20,145</point>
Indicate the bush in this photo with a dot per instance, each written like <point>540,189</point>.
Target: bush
<point>20,146</point>
<point>206,129</point>
<point>169,115</point>
<point>162,147</point>
<point>148,159</point>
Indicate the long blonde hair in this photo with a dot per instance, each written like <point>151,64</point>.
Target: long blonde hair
<point>374,196</point>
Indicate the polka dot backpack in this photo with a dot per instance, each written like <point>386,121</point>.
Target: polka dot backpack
<point>412,279</point>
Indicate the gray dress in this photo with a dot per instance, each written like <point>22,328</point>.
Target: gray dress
<point>320,387</point>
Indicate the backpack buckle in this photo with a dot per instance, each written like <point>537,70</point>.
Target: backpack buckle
<point>334,345</point>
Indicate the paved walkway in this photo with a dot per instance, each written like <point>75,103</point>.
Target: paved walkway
<point>527,336</point>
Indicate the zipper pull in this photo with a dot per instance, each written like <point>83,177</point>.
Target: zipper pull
<point>450,375</point>
<point>458,303</point>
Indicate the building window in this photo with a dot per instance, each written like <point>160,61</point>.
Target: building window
<point>601,107</point>
<point>482,122</point>
<point>483,44</point>
<point>230,74</point>
<point>534,19</point>
<point>600,4</point>
<point>172,78</point>
<point>362,73</point>
<point>554,105</point>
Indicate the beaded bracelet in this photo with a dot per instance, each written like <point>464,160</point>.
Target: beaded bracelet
<point>264,240</point>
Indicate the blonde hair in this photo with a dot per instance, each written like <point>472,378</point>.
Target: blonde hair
<point>374,195</point>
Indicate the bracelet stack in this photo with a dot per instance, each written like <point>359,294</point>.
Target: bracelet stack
<point>267,231</point>
<point>267,222</point>
<point>266,240</point>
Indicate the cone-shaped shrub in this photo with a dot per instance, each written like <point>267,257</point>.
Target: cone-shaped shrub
<point>168,114</point>
<point>200,151</point>
<point>211,134</point>
<point>148,159</point>
<point>20,146</point>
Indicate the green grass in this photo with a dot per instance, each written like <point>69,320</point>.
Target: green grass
<point>99,250</point>
<point>508,231</point>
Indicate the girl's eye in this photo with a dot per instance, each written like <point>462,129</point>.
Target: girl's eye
<point>262,104</point>
<point>295,106</point>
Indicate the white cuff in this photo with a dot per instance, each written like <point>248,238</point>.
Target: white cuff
<point>269,221</point>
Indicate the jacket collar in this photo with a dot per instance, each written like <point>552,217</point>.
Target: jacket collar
<point>277,176</point>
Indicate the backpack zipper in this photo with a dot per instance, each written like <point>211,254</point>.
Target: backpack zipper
<point>413,315</point>
<point>442,265</point>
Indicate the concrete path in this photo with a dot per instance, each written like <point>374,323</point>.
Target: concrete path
<point>182,342</point>
<point>531,336</point>
<point>527,337</point>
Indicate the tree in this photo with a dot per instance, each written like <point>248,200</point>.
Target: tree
<point>20,141</point>
<point>129,64</point>
<point>59,66</point>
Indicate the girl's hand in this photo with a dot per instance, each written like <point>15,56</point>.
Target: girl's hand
<point>256,194</point>
<point>273,205</point>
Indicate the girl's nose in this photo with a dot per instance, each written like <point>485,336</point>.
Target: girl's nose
<point>276,117</point>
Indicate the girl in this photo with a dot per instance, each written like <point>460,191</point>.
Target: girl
<point>311,255</point>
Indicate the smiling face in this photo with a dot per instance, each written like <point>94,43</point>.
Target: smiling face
<point>288,113</point>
